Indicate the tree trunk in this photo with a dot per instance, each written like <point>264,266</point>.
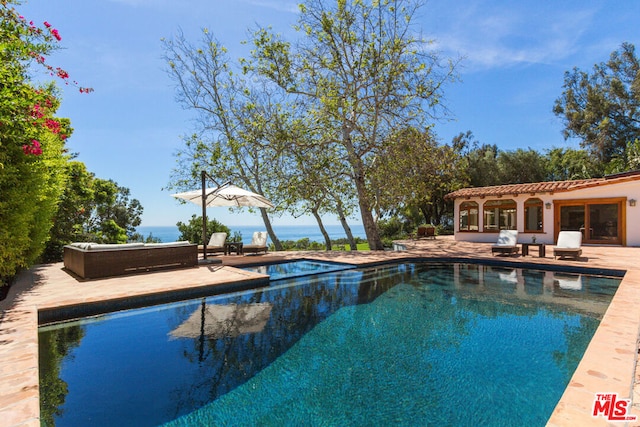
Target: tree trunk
<point>272,235</point>
<point>370,228</point>
<point>327,239</point>
<point>345,225</point>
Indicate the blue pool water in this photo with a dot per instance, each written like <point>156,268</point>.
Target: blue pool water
<point>291,269</point>
<point>407,344</point>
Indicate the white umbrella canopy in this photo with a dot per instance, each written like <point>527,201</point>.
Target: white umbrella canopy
<point>226,195</point>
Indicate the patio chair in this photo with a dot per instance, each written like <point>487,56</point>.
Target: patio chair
<point>216,243</point>
<point>258,243</point>
<point>568,245</point>
<point>507,243</point>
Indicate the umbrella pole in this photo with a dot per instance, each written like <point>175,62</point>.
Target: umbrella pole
<point>204,216</point>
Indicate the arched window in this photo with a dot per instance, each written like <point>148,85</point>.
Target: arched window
<point>533,215</point>
<point>500,215</point>
<point>468,216</point>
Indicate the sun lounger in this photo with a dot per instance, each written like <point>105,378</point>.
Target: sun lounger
<point>216,243</point>
<point>93,260</point>
<point>507,243</point>
<point>568,245</point>
<point>258,243</point>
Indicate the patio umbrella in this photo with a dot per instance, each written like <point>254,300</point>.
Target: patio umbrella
<point>223,195</point>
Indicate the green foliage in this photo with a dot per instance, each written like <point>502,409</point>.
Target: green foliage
<point>114,215</point>
<point>30,188</point>
<point>91,209</point>
<point>305,244</point>
<point>192,230</point>
<point>486,165</point>
<point>568,164</point>
<point>629,160</point>
<point>32,149</point>
<point>393,228</point>
<point>414,173</point>
<point>73,211</point>
<point>602,108</point>
<point>236,236</point>
<point>137,237</point>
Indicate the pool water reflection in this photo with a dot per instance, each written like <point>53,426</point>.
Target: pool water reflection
<point>437,343</point>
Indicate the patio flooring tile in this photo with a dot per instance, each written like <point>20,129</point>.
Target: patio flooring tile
<point>609,364</point>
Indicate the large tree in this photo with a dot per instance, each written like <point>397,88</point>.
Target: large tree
<point>367,72</point>
<point>241,124</point>
<point>603,107</point>
<point>429,171</point>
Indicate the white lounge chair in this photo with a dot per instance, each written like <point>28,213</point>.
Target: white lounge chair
<point>568,245</point>
<point>507,243</point>
<point>216,243</point>
<point>258,243</point>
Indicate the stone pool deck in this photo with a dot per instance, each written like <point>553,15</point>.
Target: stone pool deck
<point>608,366</point>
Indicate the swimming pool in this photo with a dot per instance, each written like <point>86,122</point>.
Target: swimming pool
<point>398,344</point>
<point>298,268</point>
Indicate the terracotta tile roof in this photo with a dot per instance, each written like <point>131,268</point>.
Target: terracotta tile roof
<point>543,187</point>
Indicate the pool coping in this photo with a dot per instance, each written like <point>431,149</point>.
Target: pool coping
<point>608,365</point>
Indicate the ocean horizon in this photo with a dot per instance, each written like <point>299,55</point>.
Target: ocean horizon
<point>170,233</point>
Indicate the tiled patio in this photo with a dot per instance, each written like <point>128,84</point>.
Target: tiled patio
<point>609,364</point>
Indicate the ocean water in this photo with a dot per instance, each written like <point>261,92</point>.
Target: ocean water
<point>286,232</point>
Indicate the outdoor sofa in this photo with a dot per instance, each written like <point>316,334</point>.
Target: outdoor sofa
<point>93,260</point>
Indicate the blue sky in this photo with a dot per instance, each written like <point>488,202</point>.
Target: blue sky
<point>515,55</point>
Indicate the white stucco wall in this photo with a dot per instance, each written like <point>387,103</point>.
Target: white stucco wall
<point>629,190</point>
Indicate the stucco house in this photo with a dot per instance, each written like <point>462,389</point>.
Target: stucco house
<point>605,209</point>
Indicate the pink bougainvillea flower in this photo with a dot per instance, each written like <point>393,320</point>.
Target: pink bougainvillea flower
<point>62,73</point>
<point>52,125</point>
<point>34,149</point>
<point>46,24</point>
<point>56,34</point>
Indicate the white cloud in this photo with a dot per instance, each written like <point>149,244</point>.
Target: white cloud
<point>492,38</point>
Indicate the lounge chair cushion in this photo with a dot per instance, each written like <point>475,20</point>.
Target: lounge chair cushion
<point>259,238</point>
<point>90,246</point>
<point>217,240</point>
